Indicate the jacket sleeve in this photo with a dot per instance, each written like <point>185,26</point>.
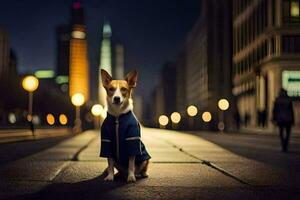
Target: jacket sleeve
<point>106,140</point>
<point>133,140</point>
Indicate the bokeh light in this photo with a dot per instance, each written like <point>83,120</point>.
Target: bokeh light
<point>30,83</point>
<point>206,116</point>
<point>77,99</point>
<point>192,110</point>
<point>223,104</point>
<point>63,119</point>
<point>175,117</point>
<point>163,120</point>
<point>50,119</point>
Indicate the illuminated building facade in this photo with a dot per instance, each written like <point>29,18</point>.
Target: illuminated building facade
<point>105,60</point>
<point>79,67</point>
<point>266,56</point>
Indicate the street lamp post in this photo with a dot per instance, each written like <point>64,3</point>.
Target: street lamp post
<point>192,112</point>
<point>77,100</point>
<point>175,118</point>
<point>30,84</point>
<point>97,111</point>
<point>223,105</point>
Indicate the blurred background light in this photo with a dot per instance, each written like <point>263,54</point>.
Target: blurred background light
<point>223,104</point>
<point>12,118</point>
<point>63,119</point>
<point>175,117</point>
<point>77,99</point>
<point>206,116</point>
<point>97,110</point>
<point>163,120</point>
<point>44,74</point>
<point>30,83</point>
<point>50,119</point>
<point>192,110</point>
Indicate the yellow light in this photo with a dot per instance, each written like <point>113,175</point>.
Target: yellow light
<point>50,119</point>
<point>77,99</point>
<point>206,116</point>
<point>175,117</point>
<point>294,9</point>
<point>163,120</point>
<point>223,104</point>
<point>97,110</point>
<point>192,111</point>
<point>30,83</point>
<point>63,119</point>
<point>78,34</point>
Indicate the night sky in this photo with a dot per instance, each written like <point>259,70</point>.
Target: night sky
<point>152,31</point>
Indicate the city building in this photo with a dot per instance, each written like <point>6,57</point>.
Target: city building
<point>63,36</point>
<point>105,60</point>
<point>79,66</point>
<point>4,53</point>
<point>266,56</point>
<point>204,64</point>
<point>111,59</point>
<point>163,97</point>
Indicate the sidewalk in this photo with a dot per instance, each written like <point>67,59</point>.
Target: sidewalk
<point>183,166</point>
<point>16,135</point>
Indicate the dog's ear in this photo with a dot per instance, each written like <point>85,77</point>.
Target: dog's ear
<point>131,78</point>
<point>106,78</point>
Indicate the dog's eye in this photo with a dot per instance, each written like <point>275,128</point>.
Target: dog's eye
<point>123,89</point>
<point>111,89</point>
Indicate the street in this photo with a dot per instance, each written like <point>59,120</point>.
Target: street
<point>183,166</point>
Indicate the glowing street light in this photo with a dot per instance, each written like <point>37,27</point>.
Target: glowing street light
<point>223,105</point>
<point>77,100</point>
<point>192,112</point>
<point>206,116</point>
<point>63,119</point>
<point>97,110</point>
<point>163,121</point>
<point>50,119</point>
<point>30,84</point>
<point>175,118</point>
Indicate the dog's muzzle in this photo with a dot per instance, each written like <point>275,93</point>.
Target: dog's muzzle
<point>117,100</point>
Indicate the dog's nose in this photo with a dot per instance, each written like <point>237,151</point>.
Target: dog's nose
<point>117,100</point>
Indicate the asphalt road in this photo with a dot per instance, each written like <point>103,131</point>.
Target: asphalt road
<point>184,166</point>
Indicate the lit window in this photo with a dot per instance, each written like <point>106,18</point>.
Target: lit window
<point>294,9</point>
<point>78,34</point>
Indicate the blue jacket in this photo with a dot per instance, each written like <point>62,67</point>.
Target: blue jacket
<point>120,138</point>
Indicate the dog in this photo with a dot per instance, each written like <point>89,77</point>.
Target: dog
<point>120,131</point>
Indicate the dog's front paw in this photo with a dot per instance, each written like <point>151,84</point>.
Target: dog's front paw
<point>109,177</point>
<point>131,178</point>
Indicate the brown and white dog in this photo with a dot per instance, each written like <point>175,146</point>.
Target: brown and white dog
<point>119,101</point>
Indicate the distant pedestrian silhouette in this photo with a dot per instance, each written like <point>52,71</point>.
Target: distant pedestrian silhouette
<point>283,116</point>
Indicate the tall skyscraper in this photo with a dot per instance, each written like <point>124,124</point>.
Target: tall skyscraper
<point>119,62</point>
<point>266,47</point>
<point>105,60</point>
<point>79,67</point>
